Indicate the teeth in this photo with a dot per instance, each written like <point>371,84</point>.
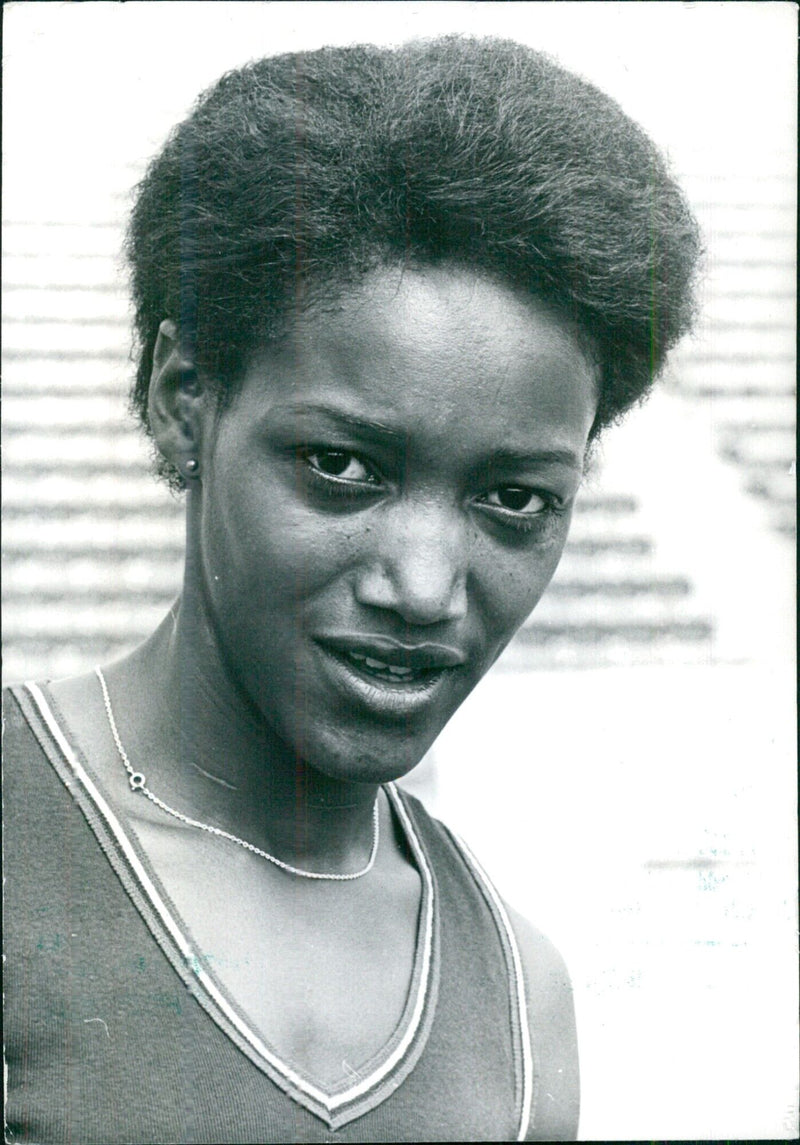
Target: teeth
<point>397,670</point>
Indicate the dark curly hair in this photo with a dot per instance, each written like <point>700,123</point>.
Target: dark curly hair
<point>300,172</point>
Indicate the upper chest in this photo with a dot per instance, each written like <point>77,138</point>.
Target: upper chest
<point>322,970</point>
<point>451,1060</point>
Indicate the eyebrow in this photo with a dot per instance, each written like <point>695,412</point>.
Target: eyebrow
<point>511,459</point>
<point>359,424</point>
<point>502,459</point>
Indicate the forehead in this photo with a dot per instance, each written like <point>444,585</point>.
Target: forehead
<point>440,347</point>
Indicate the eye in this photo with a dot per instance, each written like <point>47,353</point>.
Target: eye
<point>516,499</point>
<point>522,509</point>
<point>340,465</point>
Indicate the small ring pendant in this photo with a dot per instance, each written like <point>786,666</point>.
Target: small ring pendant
<point>136,781</point>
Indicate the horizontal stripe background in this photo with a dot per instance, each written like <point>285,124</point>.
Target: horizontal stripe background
<point>92,545</point>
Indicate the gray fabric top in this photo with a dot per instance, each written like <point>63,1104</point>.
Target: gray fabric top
<point>111,1037</point>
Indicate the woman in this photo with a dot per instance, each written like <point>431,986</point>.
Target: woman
<point>385,302</point>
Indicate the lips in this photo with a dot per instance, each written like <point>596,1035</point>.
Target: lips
<point>393,658</point>
<point>387,673</point>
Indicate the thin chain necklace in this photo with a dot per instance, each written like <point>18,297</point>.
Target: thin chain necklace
<point>138,783</point>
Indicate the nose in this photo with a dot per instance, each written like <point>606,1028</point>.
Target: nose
<point>418,567</point>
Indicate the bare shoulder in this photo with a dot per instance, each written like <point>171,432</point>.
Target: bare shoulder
<point>551,1016</point>
<point>78,701</point>
<point>74,690</point>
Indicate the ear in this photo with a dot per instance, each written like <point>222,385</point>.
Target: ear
<point>177,402</point>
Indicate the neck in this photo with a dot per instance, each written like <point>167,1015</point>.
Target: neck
<point>218,761</point>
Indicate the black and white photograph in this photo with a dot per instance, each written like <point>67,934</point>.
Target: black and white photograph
<point>398,451</point>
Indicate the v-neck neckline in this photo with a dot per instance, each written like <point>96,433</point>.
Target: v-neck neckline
<point>369,1084</point>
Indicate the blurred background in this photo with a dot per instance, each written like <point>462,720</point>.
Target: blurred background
<point>626,772</point>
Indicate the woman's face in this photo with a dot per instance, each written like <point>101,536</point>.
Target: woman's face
<point>383,504</point>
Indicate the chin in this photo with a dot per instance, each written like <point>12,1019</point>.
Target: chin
<point>365,760</point>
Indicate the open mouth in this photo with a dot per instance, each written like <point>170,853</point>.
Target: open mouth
<point>392,679</point>
<point>390,673</point>
<point>399,666</point>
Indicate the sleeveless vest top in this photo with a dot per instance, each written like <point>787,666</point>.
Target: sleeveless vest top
<point>118,1031</point>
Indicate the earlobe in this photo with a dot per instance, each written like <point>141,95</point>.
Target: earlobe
<point>175,401</point>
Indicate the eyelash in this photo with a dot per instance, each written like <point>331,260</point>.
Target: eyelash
<point>331,485</point>
<point>349,489</point>
<point>527,522</point>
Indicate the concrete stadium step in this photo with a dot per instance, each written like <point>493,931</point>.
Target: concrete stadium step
<point>784,522</point>
<point>592,500</point>
<point>66,240</point>
<point>765,218</point>
<point>638,631</point>
<point>777,486</point>
<point>85,534</point>
<point>114,618</point>
<point>611,564</point>
<point>637,545</point>
<point>656,586</point>
<point>108,574</point>
<point>43,493</point>
<point>743,343</point>
<point>689,642</point>
<point>735,378</point>
<point>63,338</point>
<point>32,375</point>
<point>554,612</point>
<point>83,451</point>
<point>103,413</point>
<point>711,192</point>
<point>745,249</point>
<point>86,307</point>
<point>753,313</point>
<point>757,447</point>
<point>107,206</point>
<point>49,660</point>
<point>50,272</point>
<point>729,280</point>
<point>738,412</point>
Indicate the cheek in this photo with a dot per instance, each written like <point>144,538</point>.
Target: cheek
<point>513,584</point>
<point>521,590</point>
<point>264,547</point>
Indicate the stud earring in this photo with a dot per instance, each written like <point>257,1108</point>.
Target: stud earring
<point>192,466</point>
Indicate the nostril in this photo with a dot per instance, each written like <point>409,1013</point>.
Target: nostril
<point>417,563</point>
<point>420,596</point>
<point>426,611</point>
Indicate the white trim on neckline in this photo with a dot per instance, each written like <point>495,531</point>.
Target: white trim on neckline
<point>328,1101</point>
<point>518,991</point>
